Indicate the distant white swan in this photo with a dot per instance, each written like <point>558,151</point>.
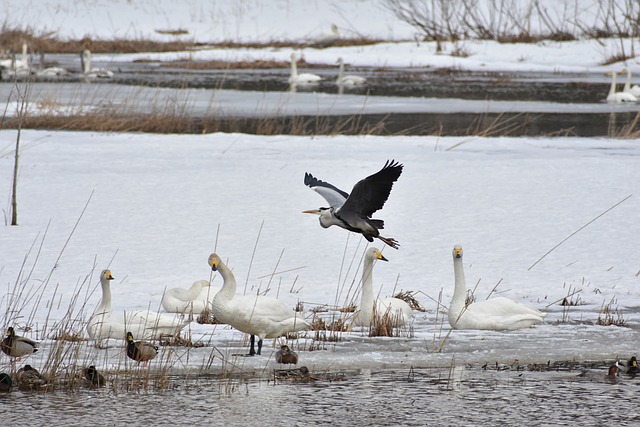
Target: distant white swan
<point>633,90</point>
<point>302,78</point>
<point>252,314</point>
<point>618,97</point>
<point>398,309</point>
<point>85,60</point>
<point>192,300</point>
<point>495,314</point>
<point>348,80</point>
<point>104,324</point>
<point>326,40</point>
<point>14,67</point>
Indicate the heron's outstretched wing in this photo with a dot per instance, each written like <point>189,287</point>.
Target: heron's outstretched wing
<point>331,193</point>
<point>370,194</point>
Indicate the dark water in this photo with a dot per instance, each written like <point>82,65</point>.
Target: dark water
<point>428,83</point>
<point>404,397</point>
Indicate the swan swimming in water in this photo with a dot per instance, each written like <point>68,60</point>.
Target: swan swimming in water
<point>399,310</point>
<point>85,61</point>
<point>302,78</point>
<point>104,324</point>
<point>494,314</point>
<point>618,97</point>
<point>633,90</point>
<point>348,80</point>
<point>252,314</point>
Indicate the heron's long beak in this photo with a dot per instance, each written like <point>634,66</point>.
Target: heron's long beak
<point>312,211</point>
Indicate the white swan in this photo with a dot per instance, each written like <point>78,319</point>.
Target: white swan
<point>302,78</point>
<point>252,314</point>
<point>399,310</point>
<point>326,40</point>
<point>348,80</point>
<point>633,90</point>
<point>192,300</point>
<point>14,64</point>
<point>618,97</point>
<point>104,324</point>
<point>85,61</point>
<point>495,314</point>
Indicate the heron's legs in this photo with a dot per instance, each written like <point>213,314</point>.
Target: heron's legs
<point>390,241</point>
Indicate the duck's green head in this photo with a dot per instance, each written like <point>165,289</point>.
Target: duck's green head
<point>11,332</point>
<point>129,337</point>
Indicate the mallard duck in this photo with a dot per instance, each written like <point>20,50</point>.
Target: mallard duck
<point>632,366</point>
<point>95,378</point>
<point>140,351</point>
<point>398,309</point>
<point>28,378</point>
<point>16,346</point>
<point>493,314</point>
<point>5,382</point>
<point>252,314</point>
<point>286,355</point>
<point>104,324</point>
<point>611,377</point>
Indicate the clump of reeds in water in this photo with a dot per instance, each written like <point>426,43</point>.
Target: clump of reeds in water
<point>610,316</point>
<point>389,324</point>
<point>409,298</point>
<point>206,317</point>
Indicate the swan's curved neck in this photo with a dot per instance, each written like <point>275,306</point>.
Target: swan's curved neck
<point>229,285</point>
<point>194,290</point>
<point>612,90</point>
<point>366,303</point>
<point>294,68</point>
<point>460,291</point>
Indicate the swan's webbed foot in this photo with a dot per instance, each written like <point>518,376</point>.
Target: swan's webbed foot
<point>390,241</point>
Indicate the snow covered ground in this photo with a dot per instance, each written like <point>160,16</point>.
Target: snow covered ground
<point>158,205</point>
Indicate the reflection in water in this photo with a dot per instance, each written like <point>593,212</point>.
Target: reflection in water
<point>404,397</point>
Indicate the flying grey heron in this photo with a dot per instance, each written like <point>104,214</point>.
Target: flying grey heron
<point>353,212</point>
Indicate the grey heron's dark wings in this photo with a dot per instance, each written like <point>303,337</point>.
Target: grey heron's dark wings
<point>332,194</point>
<point>370,194</point>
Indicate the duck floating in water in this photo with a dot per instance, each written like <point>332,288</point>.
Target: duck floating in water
<point>286,356</point>
<point>632,366</point>
<point>16,346</point>
<point>28,378</point>
<point>495,314</point>
<point>95,378</point>
<point>5,382</point>
<point>147,324</point>
<point>612,376</point>
<point>399,311</point>
<point>140,351</point>
<point>252,314</point>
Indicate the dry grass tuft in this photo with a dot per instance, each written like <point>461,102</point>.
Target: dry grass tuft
<point>410,299</point>
<point>610,316</point>
<point>206,317</point>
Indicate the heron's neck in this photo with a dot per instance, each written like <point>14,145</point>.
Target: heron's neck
<point>366,303</point>
<point>460,291</point>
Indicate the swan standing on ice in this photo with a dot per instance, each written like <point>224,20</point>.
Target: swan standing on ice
<point>148,324</point>
<point>252,314</point>
<point>348,80</point>
<point>633,90</point>
<point>399,310</point>
<point>618,97</point>
<point>494,314</point>
<point>302,78</point>
<point>85,61</point>
<point>192,300</point>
